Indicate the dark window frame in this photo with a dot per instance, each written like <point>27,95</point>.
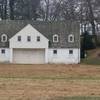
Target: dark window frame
<point>3,51</point>
<point>19,39</point>
<point>55,38</point>
<point>55,52</point>
<point>71,52</point>
<point>29,38</point>
<point>38,39</point>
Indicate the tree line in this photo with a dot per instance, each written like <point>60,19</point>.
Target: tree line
<point>51,10</point>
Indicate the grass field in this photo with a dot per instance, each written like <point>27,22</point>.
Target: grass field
<point>93,57</point>
<point>49,82</point>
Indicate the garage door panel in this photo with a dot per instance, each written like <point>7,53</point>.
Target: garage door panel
<point>29,56</point>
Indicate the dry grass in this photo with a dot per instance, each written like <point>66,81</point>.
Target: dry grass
<point>47,82</point>
<point>93,57</point>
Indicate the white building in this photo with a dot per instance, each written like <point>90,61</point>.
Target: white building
<point>26,42</point>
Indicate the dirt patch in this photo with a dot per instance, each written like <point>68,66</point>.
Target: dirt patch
<point>41,90</point>
<point>94,53</point>
<point>45,82</point>
<point>31,71</point>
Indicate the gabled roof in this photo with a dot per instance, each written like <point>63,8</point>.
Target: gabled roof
<point>48,29</point>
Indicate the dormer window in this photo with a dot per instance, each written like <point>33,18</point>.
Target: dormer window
<point>55,38</point>
<point>71,38</point>
<point>4,38</point>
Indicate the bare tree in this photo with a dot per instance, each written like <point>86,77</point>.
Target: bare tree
<point>11,6</point>
<point>45,9</point>
<point>3,9</point>
<point>91,16</point>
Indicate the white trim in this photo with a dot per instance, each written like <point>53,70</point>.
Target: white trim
<point>29,31</point>
<point>3,35</point>
<point>54,38</point>
<point>69,36</point>
<point>29,25</point>
<point>11,55</point>
<point>46,55</point>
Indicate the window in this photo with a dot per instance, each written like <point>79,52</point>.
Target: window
<point>28,38</point>
<point>71,38</point>
<point>70,51</point>
<point>55,38</point>
<point>55,52</point>
<point>3,51</point>
<point>19,38</point>
<point>4,38</point>
<point>38,38</point>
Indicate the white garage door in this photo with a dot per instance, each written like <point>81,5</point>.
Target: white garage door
<point>28,56</point>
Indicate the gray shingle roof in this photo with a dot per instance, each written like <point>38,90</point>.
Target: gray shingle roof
<point>48,29</point>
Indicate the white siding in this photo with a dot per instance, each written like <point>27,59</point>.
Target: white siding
<point>28,31</point>
<point>63,56</point>
<point>5,57</point>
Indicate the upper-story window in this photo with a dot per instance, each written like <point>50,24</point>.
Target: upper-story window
<point>28,38</point>
<point>55,38</point>
<point>19,38</point>
<point>71,38</point>
<point>4,38</point>
<point>38,38</point>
